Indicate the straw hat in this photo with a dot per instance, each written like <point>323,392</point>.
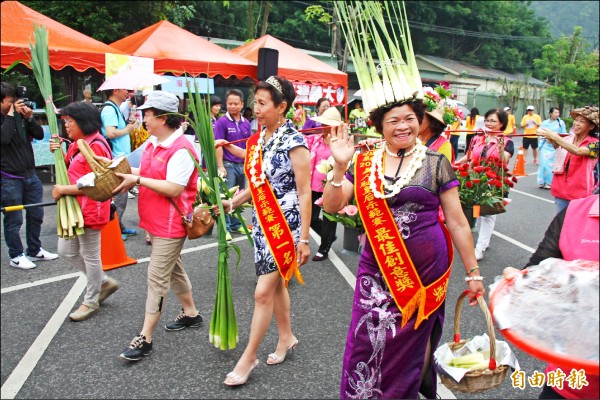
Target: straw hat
<point>437,114</point>
<point>331,117</point>
<point>588,112</point>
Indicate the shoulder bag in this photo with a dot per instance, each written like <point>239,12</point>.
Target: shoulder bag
<point>197,223</point>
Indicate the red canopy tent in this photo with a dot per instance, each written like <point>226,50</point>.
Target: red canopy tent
<point>66,46</point>
<point>309,75</point>
<point>178,51</point>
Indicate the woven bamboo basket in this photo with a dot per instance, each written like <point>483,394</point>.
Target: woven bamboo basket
<point>106,180</point>
<point>476,381</point>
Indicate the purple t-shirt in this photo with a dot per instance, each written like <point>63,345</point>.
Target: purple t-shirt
<point>229,129</point>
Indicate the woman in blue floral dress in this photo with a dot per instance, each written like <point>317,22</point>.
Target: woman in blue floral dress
<point>278,167</point>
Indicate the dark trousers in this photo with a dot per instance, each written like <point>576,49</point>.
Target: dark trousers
<point>549,393</point>
<point>16,192</point>
<point>235,177</point>
<point>324,228</point>
<point>454,143</point>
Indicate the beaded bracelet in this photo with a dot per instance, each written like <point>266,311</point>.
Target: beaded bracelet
<point>475,268</point>
<point>473,278</point>
<point>230,206</point>
<point>304,241</point>
<point>336,184</point>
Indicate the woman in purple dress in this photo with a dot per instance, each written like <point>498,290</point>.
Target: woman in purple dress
<point>403,272</point>
<point>322,105</point>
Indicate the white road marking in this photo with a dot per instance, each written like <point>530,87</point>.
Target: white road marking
<point>337,262</point>
<point>198,248</point>
<point>19,376</point>
<point>513,241</point>
<point>531,195</point>
<point>40,282</point>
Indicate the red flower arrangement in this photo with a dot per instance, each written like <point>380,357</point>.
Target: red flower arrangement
<point>483,184</point>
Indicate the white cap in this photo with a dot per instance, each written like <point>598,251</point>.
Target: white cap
<point>530,108</point>
<point>506,109</point>
<point>161,100</point>
<point>146,92</point>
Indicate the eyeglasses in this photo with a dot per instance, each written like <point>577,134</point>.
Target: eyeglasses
<point>491,121</point>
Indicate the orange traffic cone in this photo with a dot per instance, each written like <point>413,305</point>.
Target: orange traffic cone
<point>112,248</point>
<point>519,169</point>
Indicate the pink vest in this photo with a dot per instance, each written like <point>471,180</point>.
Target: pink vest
<point>579,239</point>
<point>157,214</point>
<point>95,214</point>
<point>318,151</point>
<point>578,179</point>
<point>478,146</point>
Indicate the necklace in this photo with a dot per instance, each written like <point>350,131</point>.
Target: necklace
<point>377,169</point>
<point>277,135</point>
<point>391,154</point>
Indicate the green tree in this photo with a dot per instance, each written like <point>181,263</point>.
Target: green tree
<point>505,35</point>
<point>109,21</point>
<point>570,69</point>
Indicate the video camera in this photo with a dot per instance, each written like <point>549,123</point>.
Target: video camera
<point>21,90</point>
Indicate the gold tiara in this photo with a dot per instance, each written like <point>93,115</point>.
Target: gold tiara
<point>275,83</point>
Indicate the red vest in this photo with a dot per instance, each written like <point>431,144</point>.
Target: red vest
<point>157,214</point>
<point>95,214</point>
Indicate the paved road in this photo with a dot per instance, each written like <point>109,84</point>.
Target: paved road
<point>44,355</point>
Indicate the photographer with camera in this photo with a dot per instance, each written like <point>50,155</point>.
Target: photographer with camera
<point>18,182</point>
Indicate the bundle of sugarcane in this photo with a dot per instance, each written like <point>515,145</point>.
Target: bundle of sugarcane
<point>223,332</point>
<point>69,219</point>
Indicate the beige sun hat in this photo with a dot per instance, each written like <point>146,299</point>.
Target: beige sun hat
<point>588,112</point>
<point>437,114</point>
<point>331,117</point>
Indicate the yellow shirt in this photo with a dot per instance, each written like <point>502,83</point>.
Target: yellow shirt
<point>456,126</point>
<point>531,123</point>
<point>512,122</point>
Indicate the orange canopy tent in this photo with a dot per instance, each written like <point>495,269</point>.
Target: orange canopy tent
<point>178,51</point>
<point>66,46</point>
<point>294,64</point>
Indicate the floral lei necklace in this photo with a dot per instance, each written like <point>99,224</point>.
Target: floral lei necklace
<point>259,180</point>
<point>377,169</point>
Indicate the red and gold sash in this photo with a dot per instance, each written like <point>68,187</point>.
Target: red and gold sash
<point>272,221</point>
<point>391,254</point>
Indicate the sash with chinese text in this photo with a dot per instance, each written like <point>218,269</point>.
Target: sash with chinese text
<point>271,219</point>
<point>391,254</point>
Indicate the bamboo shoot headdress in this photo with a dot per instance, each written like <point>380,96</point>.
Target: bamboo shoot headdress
<point>382,27</point>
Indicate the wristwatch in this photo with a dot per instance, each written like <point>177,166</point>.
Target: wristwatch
<point>139,179</point>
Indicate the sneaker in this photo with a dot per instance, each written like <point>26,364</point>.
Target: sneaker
<point>228,237</point>
<point>240,230</point>
<point>130,195</point>
<point>129,232</point>
<point>78,315</point>
<point>43,255</point>
<point>137,348</point>
<point>22,262</point>
<point>108,287</point>
<point>134,190</point>
<point>124,237</point>
<point>184,321</point>
<point>478,254</point>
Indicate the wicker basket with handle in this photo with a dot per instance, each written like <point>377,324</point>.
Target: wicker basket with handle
<point>106,181</point>
<point>482,380</point>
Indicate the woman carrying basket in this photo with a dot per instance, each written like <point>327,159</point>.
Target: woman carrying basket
<point>167,181</point>
<point>404,269</point>
<point>82,121</point>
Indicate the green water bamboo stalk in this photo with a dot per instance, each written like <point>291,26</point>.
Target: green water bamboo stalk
<point>223,331</point>
<point>68,210</point>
